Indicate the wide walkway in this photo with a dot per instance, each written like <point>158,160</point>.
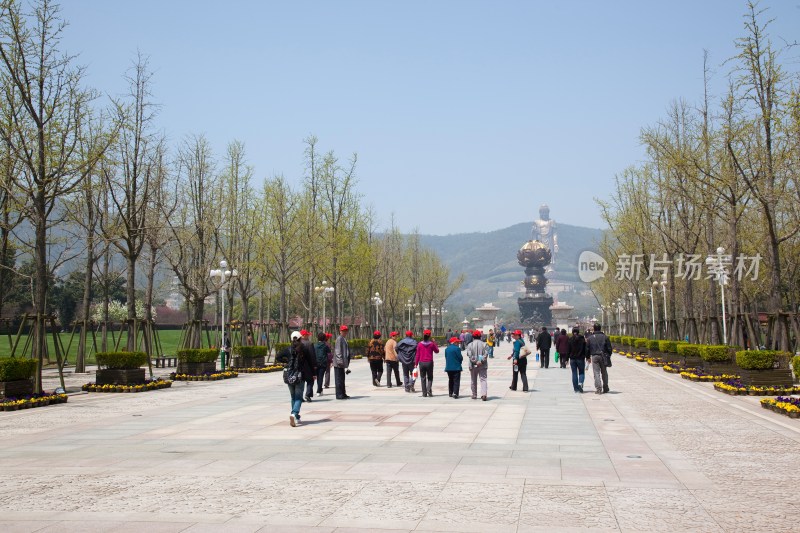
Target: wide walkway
<point>656,454</point>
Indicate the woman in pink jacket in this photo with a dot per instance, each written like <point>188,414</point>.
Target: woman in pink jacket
<point>424,360</point>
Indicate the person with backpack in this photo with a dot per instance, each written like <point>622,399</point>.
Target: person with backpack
<point>297,371</point>
<point>375,356</point>
<point>599,347</point>
<point>478,365</point>
<point>576,357</point>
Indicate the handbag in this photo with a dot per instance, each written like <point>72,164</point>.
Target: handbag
<point>524,351</point>
<point>556,357</point>
<point>537,357</point>
<point>607,358</point>
<point>291,376</point>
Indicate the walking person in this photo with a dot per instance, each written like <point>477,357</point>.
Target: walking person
<point>424,360</point>
<point>543,343</point>
<point>478,365</point>
<point>490,342</point>
<point>576,357</point>
<point>599,347</point>
<point>341,361</point>
<point>452,365</point>
<point>375,356</point>
<point>298,369</point>
<point>311,356</point>
<point>562,347</point>
<point>519,362</point>
<point>406,353</point>
<point>390,350</point>
<point>322,353</point>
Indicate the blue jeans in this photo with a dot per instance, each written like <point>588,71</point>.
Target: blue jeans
<point>296,394</point>
<point>578,367</point>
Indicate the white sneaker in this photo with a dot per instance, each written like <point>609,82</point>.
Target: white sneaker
<point>292,420</point>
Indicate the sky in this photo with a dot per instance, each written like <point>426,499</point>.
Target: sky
<point>466,115</point>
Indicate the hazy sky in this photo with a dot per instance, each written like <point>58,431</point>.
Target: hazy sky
<point>466,115</point>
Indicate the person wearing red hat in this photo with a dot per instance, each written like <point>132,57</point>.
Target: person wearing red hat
<point>341,361</point>
<point>424,360</point>
<point>452,365</point>
<point>520,363</point>
<point>311,356</point>
<point>375,356</point>
<point>478,365</point>
<point>406,351</point>
<point>390,351</point>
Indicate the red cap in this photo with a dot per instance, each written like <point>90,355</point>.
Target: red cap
<point>304,333</point>
<point>343,328</point>
<point>393,334</point>
<point>517,332</point>
<point>453,339</point>
<point>409,333</point>
<point>426,332</point>
<point>477,333</point>
<point>376,333</point>
<point>328,335</point>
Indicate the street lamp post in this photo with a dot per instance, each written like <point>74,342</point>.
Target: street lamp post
<point>652,306</point>
<point>619,317</point>
<point>377,301</point>
<point>663,290</point>
<point>409,307</point>
<point>224,276</point>
<point>323,290</point>
<point>721,276</point>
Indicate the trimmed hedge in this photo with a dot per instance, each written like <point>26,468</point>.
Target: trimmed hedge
<point>668,346</point>
<point>758,359</point>
<point>121,360</point>
<point>198,355</point>
<point>249,351</point>
<point>15,369</point>
<point>688,350</point>
<point>614,338</point>
<point>719,353</point>
<point>356,344</point>
<point>653,345</point>
<point>796,366</point>
<point>640,343</point>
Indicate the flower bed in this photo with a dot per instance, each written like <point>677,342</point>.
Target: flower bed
<point>139,387</point>
<point>260,370</point>
<point>736,387</point>
<point>204,377</point>
<point>786,406</point>
<point>700,376</point>
<point>37,400</point>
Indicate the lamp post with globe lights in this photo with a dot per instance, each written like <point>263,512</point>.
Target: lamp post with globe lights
<point>650,295</point>
<point>224,275</point>
<point>324,291</point>
<point>377,301</point>
<point>719,272</point>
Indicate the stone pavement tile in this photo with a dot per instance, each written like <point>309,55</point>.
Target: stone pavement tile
<point>475,507</point>
<point>479,472</point>
<point>89,526</point>
<point>639,509</point>
<point>549,507</point>
<point>273,528</point>
<point>369,509</point>
<point>24,526</point>
<point>751,508</point>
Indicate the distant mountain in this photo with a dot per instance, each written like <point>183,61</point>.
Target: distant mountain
<point>489,262</point>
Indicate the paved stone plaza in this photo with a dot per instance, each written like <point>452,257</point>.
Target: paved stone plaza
<point>656,454</point>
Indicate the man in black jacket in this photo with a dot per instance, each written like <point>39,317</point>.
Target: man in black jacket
<point>598,346</point>
<point>576,355</point>
<point>543,343</point>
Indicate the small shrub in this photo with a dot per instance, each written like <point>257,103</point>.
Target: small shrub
<point>667,346</point>
<point>614,338</point>
<point>796,366</point>
<point>280,346</point>
<point>688,350</point>
<point>249,351</point>
<point>16,368</point>
<point>121,360</point>
<point>198,355</point>
<point>357,344</point>
<point>758,359</point>
<point>719,353</point>
<point>641,343</point>
<point>653,345</point>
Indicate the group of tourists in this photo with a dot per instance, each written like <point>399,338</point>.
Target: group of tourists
<point>305,362</point>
